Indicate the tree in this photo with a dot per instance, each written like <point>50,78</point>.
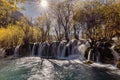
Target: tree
<point>9,13</point>
<point>99,20</point>
<point>44,23</point>
<point>63,12</point>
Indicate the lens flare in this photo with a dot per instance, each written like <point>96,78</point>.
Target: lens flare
<point>44,3</point>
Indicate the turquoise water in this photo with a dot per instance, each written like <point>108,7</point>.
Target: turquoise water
<point>10,71</point>
<point>46,69</point>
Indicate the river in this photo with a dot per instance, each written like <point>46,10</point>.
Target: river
<point>35,68</point>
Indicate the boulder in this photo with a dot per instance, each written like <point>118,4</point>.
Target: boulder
<point>118,64</point>
<point>9,52</point>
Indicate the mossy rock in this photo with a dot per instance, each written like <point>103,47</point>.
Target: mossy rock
<point>88,62</point>
<point>118,64</point>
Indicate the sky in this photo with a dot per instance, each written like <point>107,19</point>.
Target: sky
<point>33,8</point>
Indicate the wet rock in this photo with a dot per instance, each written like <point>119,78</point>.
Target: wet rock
<point>107,56</point>
<point>24,50</point>
<point>9,52</point>
<point>118,64</point>
<point>88,62</point>
<point>53,49</point>
<point>45,50</point>
<point>117,48</point>
<point>31,46</point>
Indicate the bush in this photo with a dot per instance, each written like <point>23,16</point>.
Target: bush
<point>10,36</point>
<point>14,35</point>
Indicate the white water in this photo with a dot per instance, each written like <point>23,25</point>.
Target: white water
<point>115,54</point>
<point>89,55</point>
<point>35,68</point>
<point>72,50</point>
<point>2,52</point>
<point>98,58</point>
<point>60,49</point>
<point>16,52</point>
<point>63,51</point>
<point>39,50</point>
<point>82,49</point>
<point>33,50</point>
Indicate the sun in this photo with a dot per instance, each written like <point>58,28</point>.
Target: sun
<point>44,3</point>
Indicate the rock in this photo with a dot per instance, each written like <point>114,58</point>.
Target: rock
<point>117,48</point>
<point>118,64</point>
<point>24,50</point>
<point>88,62</point>
<point>53,49</point>
<point>9,52</point>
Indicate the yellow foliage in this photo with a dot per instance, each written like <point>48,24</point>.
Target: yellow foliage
<point>13,35</point>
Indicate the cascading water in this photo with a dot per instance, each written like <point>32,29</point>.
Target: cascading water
<point>33,50</point>
<point>42,50</point>
<point>74,45</point>
<point>82,48</point>
<point>36,68</point>
<point>16,52</point>
<point>98,58</point>
<point>64,51</point>
<point>53,49</point>
<point>60,49</point>
<point>89,55</point>
<point>75,50</point>
<point>39,50</point>
<point>115,54</point>
<point>2,52</point>
<point>94,56</point>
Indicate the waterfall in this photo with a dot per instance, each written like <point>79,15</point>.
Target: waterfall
<point>33,50</point>
<point>54,47</point>
<point>81,51</point>
<point>74,49</point>
<point>82,48</point>
<point>64,51</point>
<point>94,56</point>
<point>98,57</point>
<point>16,52</point>
<point>39,50</point>
<point>60,49</point>
<point>42,50</point>
<point>89,54</point>
<point>115,54</point>
<point>2,52</point>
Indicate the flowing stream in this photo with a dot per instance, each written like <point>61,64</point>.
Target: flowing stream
<point>35,68</point>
